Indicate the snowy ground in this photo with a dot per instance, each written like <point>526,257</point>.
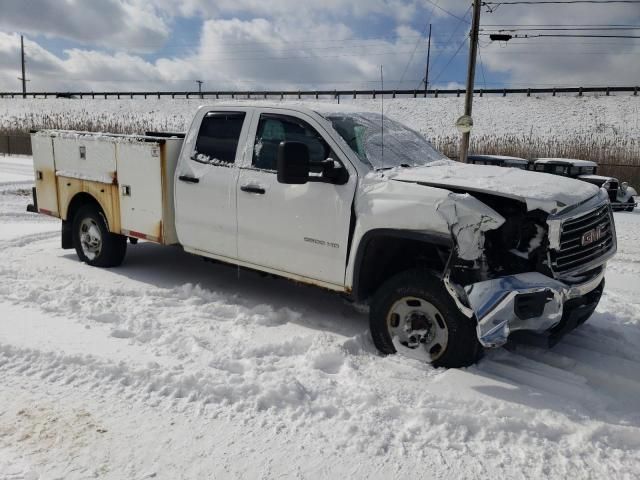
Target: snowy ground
<point>170,367</point>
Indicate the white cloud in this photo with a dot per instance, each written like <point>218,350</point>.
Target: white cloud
<point>131,24</point>
<point>402,10</point>
<point>251,54</point>
<point>564,61</point>
<point>255,44</point>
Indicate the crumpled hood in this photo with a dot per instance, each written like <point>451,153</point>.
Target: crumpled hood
<point>550,193</point>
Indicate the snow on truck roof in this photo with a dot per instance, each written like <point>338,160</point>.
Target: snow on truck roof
<point>566,161</point>
<point>321,108</point>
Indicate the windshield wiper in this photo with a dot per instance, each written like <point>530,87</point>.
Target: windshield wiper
<point>403,165</point>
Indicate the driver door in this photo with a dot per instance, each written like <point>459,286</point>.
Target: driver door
<point>300,230</point>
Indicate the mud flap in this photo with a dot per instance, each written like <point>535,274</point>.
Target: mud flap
<point>67,235</point>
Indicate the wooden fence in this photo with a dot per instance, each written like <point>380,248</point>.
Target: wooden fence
<point>15,145</point>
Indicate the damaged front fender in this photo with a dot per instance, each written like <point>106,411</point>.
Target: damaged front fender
<point>468,219</point>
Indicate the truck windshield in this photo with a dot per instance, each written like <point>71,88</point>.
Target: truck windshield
<point>398,146</point>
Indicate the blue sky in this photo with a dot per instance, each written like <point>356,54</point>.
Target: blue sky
<point>168,44</point>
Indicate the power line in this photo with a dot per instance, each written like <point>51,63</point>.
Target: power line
<point>448,12</point>
<point>543,35</point>
<point>556,25</point>
<point>453,34</point>
<point>427,25</point>
<point>556,53</point>
<point>326,44</point>
<point>571,29</point>
<point>450,60</point>
<point>538,2</point>
<point>208,60</point>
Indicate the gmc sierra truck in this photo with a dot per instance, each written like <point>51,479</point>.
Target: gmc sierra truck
<point>451,258</point>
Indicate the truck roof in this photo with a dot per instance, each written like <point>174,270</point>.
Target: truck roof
<point>321,108</point>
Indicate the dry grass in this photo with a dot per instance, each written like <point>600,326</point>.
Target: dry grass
<point>87,121</point>
<point>617,154</point>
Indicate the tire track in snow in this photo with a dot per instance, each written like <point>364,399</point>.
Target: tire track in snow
<point>28,239</point>
<point>303,378</point>
<point>377,427</point>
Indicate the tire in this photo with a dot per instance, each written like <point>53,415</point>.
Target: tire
<point>630,207</point>
<point>94,244</point>
<point>415,309</point>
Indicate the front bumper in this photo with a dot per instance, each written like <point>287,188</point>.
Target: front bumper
<point>531,302</point>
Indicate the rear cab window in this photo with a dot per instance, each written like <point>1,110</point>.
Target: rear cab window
<point>218,137</point>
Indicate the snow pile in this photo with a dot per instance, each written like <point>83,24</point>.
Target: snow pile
<point>171,367</point>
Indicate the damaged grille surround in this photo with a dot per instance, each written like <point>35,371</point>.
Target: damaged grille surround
<point>582,240</point>
<point>570,263</point>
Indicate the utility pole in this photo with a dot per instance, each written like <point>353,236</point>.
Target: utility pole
<point>426,76</point>
<point>465,123</point>
<point>199,82</point>
<point>23,78</point>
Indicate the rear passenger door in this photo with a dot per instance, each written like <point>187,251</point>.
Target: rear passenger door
<point>206,182</point>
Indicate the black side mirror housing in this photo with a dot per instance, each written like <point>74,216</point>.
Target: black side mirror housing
<point>293,163</point>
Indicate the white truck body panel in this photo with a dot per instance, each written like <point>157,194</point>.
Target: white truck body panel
<point>45,174</point>
<point>140,168</point>
<point>85,157</point>
<point>145,177</point>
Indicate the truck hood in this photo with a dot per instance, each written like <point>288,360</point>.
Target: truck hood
<point>550,193</point>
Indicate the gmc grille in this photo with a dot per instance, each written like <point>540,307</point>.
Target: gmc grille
<point>583,239</point>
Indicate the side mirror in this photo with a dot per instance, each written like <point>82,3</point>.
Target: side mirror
<point>293,163</point>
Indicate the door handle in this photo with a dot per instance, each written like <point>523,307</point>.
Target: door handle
<point>188,179</point>
<point>253,189</point>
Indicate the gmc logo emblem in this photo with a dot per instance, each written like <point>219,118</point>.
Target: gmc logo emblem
<point>594,235</point>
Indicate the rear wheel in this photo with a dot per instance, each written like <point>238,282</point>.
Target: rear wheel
<point>94,243</point>
<point>413,314</point>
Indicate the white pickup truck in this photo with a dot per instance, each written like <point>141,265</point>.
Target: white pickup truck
<point>450,257</point>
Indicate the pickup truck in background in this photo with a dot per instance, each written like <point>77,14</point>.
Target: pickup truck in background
<point>449,257</point>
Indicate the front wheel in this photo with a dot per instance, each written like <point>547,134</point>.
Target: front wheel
<point>94,243</point>
<point>413,314</point>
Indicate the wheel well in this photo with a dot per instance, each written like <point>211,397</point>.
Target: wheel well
<point>383,255</point>
<point>77,202</point>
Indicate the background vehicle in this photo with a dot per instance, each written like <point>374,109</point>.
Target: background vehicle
<point>451,257</point>
<point>499,161</point>
<point>621,196</point>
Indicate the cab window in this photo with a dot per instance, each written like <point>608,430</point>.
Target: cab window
<point>273,129</point>
<point>218,138</point>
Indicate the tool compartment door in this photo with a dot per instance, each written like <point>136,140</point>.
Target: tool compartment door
<point>139,167</point>
<point>45,174</point>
